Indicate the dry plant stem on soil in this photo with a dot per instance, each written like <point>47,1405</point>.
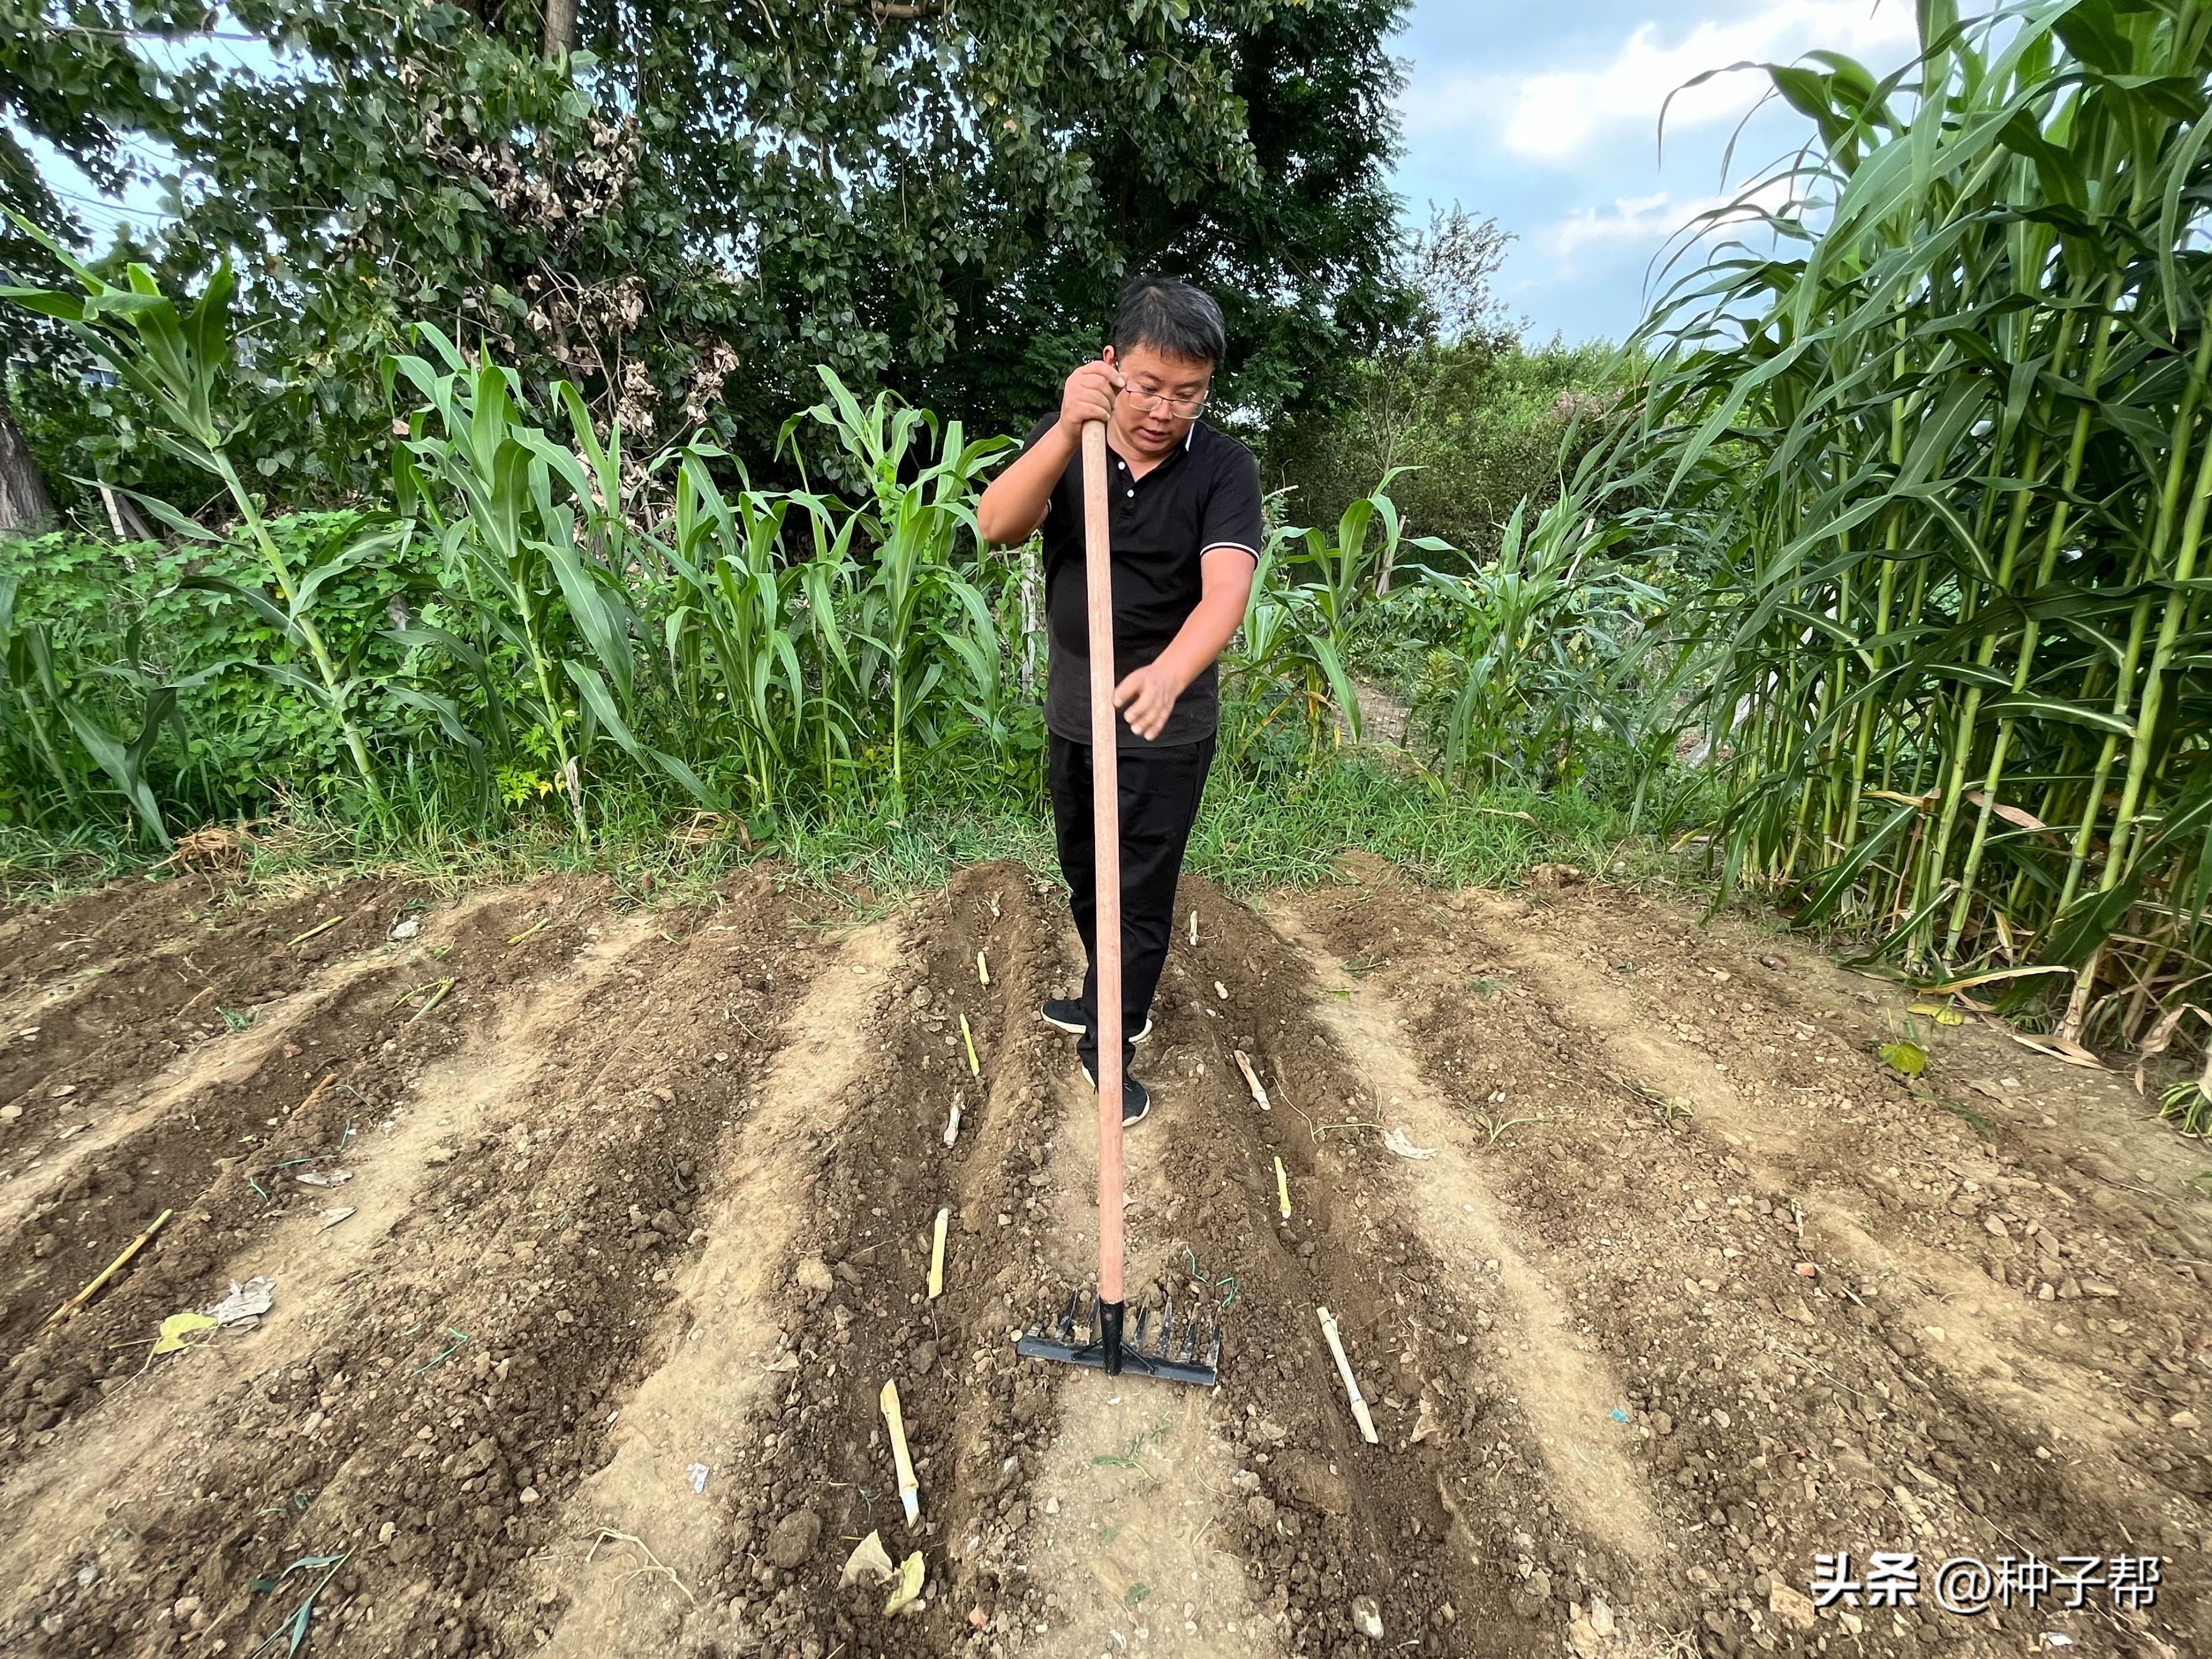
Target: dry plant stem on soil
<point>109,1272</point>
<point>910,1489</point>
<point>1251,1079</point>
<point>437,989</point>
<point>1351,1383</point>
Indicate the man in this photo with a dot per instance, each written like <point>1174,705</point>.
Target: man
<point>1184,504</point>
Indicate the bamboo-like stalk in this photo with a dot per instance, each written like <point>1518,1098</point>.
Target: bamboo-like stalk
<point>1961,453</point>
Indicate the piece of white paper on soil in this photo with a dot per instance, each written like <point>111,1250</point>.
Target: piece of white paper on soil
<point>247,1301</point>
<point>870,1563</point>
<point>698,1472</point>
<point>1395,1140</point>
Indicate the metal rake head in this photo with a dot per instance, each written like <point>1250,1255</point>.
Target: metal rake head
<point>1106,1345</point>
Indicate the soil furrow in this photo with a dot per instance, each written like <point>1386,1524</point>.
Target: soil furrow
<point>685,1427</point>
<point>165,1075</point>
<point>818,1472</point>
<point>2005,1351</point>
<point>1568,1392</point>
<point>1777,1385</point>
<point>158,1453</point>
<point>1138,1489</point>
<point>198,1152</point>
<point>1323,1522</point>
<point>118,1016</point>
<point>63,936</point>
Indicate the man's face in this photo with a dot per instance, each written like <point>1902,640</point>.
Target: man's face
<point>1160,398</point>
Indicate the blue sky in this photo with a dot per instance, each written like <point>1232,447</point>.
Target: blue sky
<point>1545,117</point>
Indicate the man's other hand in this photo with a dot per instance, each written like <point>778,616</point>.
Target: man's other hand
<point>1146,698</point>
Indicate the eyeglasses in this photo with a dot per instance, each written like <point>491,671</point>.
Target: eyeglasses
<point>1183,409</point>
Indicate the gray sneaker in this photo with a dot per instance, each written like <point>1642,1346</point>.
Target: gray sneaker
<point>1136,1099</point>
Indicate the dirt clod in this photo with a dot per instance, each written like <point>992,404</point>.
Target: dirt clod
<point>795,1538</point>
<point>1305,1477</point>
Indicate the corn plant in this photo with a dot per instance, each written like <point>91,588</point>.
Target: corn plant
<point>534,533</point>
<point>32,693</point>
<point>894,620</point>
<point>1947,438</point>
<point>733,634</point>
<point>1286,667</point>
<point>1292,657</point>
<point>31,706</point>
<point>1551,633</point>
<point>178,360</point>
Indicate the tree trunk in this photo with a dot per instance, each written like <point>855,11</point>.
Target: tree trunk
<point>560,27</point>
<point>25,505</point>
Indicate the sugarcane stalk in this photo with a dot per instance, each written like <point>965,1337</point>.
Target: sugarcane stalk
<point>2139,757</point>
<point>2053,543</point>
<point>2145,567</point>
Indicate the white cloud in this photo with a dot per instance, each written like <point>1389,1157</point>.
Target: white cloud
<point>1629,219</point>
<point>1557,115</point>
<point>1648,220</point>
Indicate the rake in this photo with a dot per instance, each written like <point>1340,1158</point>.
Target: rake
<point>1105,1345</point>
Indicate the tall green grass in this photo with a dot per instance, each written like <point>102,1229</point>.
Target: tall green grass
<point>1940,429</point>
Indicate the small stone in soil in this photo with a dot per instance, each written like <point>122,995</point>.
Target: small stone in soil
<point>1529,1599</point>
<point>794,1539</point>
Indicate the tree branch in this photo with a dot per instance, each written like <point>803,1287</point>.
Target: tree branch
<point>898,10</point>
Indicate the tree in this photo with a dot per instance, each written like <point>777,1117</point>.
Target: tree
<point>72,77</point>
<point>694,206</point>
<point>1452,396</point>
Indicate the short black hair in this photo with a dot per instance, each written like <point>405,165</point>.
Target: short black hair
<point>1171,316</point>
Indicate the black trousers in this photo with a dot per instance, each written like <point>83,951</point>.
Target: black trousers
<point>1159,791</point>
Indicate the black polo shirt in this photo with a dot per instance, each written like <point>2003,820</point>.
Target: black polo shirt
<point>1202,495</point>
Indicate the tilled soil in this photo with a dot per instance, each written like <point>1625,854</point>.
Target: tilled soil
<point>1658,1282</point>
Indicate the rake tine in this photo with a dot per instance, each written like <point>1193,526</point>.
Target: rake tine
<point>1214,1352</point>
<point>1190,1343</point>
<point>1167,1328</point>
<point>1066,1324</point>
<point>1144,1320</point>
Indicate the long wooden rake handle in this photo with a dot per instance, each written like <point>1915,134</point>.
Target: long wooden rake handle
<point>1106,840</point>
